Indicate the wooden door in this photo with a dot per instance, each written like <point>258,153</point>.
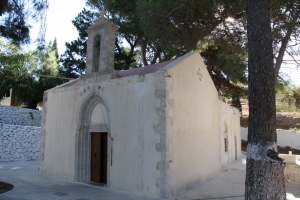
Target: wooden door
<point>99,157</point>
<point>103,160</point>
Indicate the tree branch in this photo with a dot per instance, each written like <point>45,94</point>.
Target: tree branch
<point>282,50</point>
<point>284,44</point>
<point>180,6</point>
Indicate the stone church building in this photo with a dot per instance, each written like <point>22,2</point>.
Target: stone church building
<point>153,131</point>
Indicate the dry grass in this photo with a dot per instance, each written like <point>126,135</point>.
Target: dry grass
<point>288,118</point>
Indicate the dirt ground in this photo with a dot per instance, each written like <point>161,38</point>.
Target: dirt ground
<point>285,120</point>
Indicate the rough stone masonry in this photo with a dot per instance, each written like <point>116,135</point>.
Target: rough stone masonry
<point>19,134</point>
<point>20,116</point>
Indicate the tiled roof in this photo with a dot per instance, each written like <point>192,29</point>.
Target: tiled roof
<point>70,83</point>
<point>142,71</point>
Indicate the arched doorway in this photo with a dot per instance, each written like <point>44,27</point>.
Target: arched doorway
<point>93,139</point>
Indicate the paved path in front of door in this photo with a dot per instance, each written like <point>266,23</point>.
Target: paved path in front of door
<point>30,184</point>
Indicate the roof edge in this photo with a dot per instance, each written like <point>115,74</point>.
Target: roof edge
<point>178,60</point>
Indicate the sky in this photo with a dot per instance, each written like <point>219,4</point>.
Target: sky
<point>292,72</point>
<point>59,22</point>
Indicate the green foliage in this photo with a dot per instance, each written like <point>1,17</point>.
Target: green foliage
<point>141,50</point>
<point>180,24</point>
<point>12,58</point>
<point>226,64</point>
<point>158,30</point>
<point>161,30</point>
<point>30,89</point>
<point>74,58</point>
<point>284,107</point>
<point>31,115</point>
<point>16,16</point>
<point>203,26</point>
<point>184,26</point>
<point>291,97</point>
<point>295,129</point>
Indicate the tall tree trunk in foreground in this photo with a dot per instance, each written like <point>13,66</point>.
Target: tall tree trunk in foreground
<point>264,169</point>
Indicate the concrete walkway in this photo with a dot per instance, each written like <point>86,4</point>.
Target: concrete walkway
<point>230,184</point>
<point>30,184</point>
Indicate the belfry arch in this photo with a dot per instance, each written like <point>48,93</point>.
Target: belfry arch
<point>100,47</point>
<point>96,53</point>
<point>94,102</point>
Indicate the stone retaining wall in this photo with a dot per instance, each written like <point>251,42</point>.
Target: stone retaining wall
<point>20,116</point>
<point>19,143</point>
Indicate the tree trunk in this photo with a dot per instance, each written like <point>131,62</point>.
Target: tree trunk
<point>3,4</point>
<point>264,170</point>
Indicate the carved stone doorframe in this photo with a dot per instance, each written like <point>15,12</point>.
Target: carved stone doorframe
<point>83,135</point>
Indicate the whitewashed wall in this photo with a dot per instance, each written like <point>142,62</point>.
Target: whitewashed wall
<point>20,116</point>
<point>19,143</point>
<point>284,138</point>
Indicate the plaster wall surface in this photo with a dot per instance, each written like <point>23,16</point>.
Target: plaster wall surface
<point>59,131</point>
<point>132,161</point>
<point>288,138</point>
<point>6,101</point>
<point>20,116</point>
<point>19,143</point>
<point>191,125</point>
<point>134,158</point>
<point>284,138</point>
<point>229,125</point>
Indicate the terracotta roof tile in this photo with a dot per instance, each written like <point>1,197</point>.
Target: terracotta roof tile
<point>142,71</point>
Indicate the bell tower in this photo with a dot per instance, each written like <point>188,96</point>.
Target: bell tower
<point>100,47</point>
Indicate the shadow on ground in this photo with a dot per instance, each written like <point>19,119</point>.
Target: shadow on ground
<point>5,187</point>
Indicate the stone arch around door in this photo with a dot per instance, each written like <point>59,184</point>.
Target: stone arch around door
<point>83,136</point>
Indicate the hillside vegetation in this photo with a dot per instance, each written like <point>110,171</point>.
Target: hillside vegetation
<point>287,109</point>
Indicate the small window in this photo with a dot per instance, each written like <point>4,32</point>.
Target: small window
<point>226,144</point>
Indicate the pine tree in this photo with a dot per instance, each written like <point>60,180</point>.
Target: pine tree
<point>264,169</point>
<point>30,90</point>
